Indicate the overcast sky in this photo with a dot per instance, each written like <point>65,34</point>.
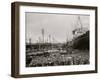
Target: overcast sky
<point>59,26</point>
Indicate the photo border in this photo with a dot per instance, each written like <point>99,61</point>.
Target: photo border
<point>15,32</point>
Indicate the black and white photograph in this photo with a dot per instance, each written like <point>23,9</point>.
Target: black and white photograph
<point>53,39</point>
<point>57,39</point>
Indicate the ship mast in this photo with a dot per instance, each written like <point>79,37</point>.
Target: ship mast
<point>42,31</point>
<point>78,23</point>
<point>79,20</point>
<point>78,30</point>
<point>30,41</point>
